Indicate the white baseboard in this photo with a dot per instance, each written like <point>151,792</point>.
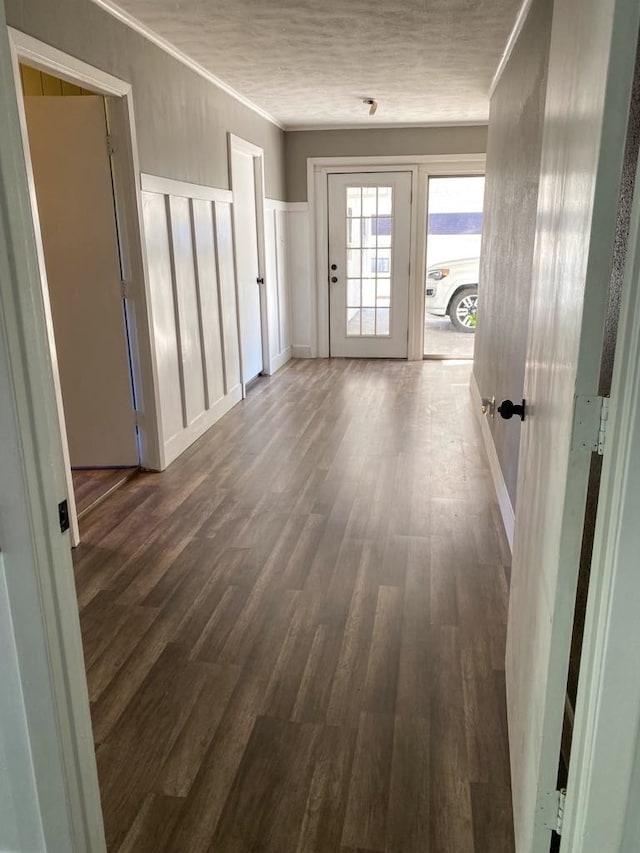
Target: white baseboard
<point>504,501</point>
<point>301,351</point>
<point>279,360</point>
<point>185,438</point>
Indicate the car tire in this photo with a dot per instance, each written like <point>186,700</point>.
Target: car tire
<point>462,310</point>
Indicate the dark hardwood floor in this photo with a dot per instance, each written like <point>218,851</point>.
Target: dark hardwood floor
<point>93,485</point>
<point>294,636</point>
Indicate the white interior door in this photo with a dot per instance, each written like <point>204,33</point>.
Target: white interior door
<point>69,155</point>
<point>369,246</point>
<point>593,50</point>
<point>243,179</point>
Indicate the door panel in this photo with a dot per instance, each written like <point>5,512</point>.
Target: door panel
<point>580,179</point>
<point>67,141</point>
<point>369,245</point>
<point>247,264</point>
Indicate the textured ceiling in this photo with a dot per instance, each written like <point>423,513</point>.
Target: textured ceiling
<point>311,62</point>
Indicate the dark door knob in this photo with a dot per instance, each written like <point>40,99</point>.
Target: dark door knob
<point>260,280</point>
<point>508,409</point>
<point>334,266</point>
<point>334,278</point>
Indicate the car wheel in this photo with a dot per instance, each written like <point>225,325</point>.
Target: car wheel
<point>463,309</point>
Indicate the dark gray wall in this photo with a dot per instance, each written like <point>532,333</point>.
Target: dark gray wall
<point>181,119</point>
<point>511,195</point>
<point>372,142</point>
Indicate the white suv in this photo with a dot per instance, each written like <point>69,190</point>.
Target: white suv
<point>452,289</point>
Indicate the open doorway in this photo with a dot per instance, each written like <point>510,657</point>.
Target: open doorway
<point>70,159</point>
<point>454,231</point>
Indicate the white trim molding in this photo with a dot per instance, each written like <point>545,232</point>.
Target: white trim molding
<point>301,351</point>
<point>603,785</point>
<point>39,570</point>
<point>243,146</point>
<point>134,24</point>
<point>520,21</point>
<point>374,125</point>
<point>281,359</point>
<point>119,103</point>
<point>275,204</point>
<point>49,59</point>
<point>169,186</point>
<point>502,494</point>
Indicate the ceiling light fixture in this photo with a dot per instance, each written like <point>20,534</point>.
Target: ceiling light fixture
<point>372,104</point>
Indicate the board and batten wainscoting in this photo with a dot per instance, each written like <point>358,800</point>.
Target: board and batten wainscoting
<point>189,244</point>
<point>277,282</point>
<point>193,306</point>
<point>303,308</point>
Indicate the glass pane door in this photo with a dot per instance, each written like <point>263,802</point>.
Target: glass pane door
<point>369,245</point>
<point>369,263</point>
<point>453,258</point>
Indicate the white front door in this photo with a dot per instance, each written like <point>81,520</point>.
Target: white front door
<point>369,246</point>
<point>243,179</point>
<point>69,155</point>
<point>593,49</point>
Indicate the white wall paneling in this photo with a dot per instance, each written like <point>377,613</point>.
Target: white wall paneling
<point>299,256</point>
<point>277,281</point>
<point>193,307</point>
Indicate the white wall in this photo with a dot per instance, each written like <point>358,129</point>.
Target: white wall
<point>300,266</point>
<point>193,303</point>
<point>193,316</point>
<point>277,282</point>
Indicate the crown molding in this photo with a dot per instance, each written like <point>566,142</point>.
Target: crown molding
<point>134,24</point>
<point>385,125</point>
<point>511,43</point>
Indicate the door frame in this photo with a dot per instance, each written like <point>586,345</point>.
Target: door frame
<point>421,167</point>
<point>242,146</point>
<point>37,558</point>
<point>600,788</point>
<point>400,183</point>
<point>128,210</point>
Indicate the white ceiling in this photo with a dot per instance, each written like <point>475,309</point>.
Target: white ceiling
<point>311,62</point>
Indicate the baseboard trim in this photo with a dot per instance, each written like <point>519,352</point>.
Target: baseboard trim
<point>301,351</point>
<point>280,360</point>
<point>502,494</point>
<point>185,438</point>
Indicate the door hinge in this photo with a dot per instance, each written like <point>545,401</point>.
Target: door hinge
<point>552,808</point>
<point>604,419</point>
<point>111,149</point>
<point>590,424</point>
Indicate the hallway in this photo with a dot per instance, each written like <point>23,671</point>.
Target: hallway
<point>294,637</point>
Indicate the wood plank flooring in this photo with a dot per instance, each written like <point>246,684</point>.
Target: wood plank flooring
<point>294,637</point>
<point>93,485</point>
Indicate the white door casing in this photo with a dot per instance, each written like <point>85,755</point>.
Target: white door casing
<point>593,47</point>
<point>36,556</point>
<point>311,258</point>
<point>369,263</point>
<point>67,141</point>
<point>601,811</point>
<point>248,203</point>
